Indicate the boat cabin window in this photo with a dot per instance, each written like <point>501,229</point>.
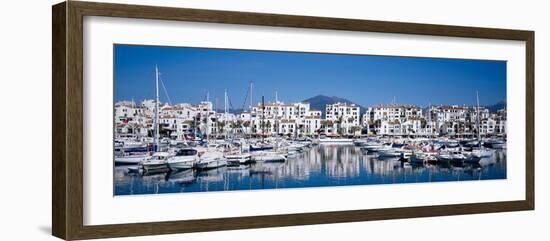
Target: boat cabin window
<point>186,152</point>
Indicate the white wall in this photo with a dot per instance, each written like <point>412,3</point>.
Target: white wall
<point>25,55</point>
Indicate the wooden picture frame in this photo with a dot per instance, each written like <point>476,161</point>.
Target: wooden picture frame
<point>67,123</point>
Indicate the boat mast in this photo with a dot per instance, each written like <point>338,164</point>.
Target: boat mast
<point>263,116</point>
<point>216,111</point>
<point>477,121</point>
<point>206,117</point>
<point>250,110</point>
<point>430,118</point>
<point>225,113</point>
<point>156,137</point>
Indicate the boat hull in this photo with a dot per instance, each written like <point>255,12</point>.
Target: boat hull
<point>268,157</point>
<point>341,141</point>
<point>181,165</point>
<point>130,160</point>
<point>211,164</point>
<point>155,167</point>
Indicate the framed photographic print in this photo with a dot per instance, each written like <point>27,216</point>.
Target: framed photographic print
<point>170,120</point>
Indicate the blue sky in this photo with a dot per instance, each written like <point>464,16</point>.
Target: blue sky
<point>188,73</point>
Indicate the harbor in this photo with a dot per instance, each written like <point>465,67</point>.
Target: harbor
<point>164,147</point>
<point>315,166</point>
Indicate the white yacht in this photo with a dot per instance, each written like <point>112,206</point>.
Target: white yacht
<point>210,163</point>
<point>422,157</point>
<point>128,159</point>
<point>211,159</point>
<point>481,153</point>
<point>451,155</point>
<point>184,159</point>
<point>335,141</point>
<point>238,159</point>
<point>267,156</point>
<point>392,152</point>
<point>157,162</point>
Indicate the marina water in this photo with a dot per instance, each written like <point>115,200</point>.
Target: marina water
<point>319,166</point>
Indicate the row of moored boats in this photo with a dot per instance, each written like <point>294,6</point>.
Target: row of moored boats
<point>205,155</point>
<point>431,150</point>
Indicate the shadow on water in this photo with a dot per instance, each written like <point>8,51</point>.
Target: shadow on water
<point>319,166</point>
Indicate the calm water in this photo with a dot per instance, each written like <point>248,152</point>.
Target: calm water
<point>317,167</point>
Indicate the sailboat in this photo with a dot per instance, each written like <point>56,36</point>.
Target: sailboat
<point>265,153</point>
<point>481,152</point>
<point>158,161</point>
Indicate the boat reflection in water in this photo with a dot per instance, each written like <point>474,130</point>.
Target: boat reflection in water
<point>319,166</point>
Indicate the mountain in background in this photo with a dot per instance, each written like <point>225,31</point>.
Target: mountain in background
<point>320,102</point>
<point>498,106</point>
<point>231,111</point>
<point>492,108</point>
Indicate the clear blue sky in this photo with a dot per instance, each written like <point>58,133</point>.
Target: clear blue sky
<point>188,73</point>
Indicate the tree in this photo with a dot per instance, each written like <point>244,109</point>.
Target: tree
<point>378,123</point>
<point>221,126</point>
<point>236,124</point>
<point>268,126</point>
<point>325,124</point>
<point>340,122</point>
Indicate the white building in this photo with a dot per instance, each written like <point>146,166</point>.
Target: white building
<point>393,119</point>
<point>343,117</point>
<point>392,112</point>
<point>283,119</point>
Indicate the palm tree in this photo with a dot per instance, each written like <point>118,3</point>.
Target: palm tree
<point>246,123</point>
<point>301,129</point>
<point>325,124</point>
<point>268,126</point>
<point>339,121</point>
<point>221,126</point>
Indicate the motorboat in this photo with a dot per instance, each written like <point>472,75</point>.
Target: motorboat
<point>211,159</point>
<point>481,153</point>
<point>294,149</point>
<point>422,157</point>
<point>157,162</point>
<point>267,156</point>
<point>131,158</point>
<point>335,141</point>
<point>450,155</point>
<point>376,147</point>
<point>184,159</point>
<point>237,159</point>
<point>260,148</point>
<point>392,152</point>
<point>210,163</point>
